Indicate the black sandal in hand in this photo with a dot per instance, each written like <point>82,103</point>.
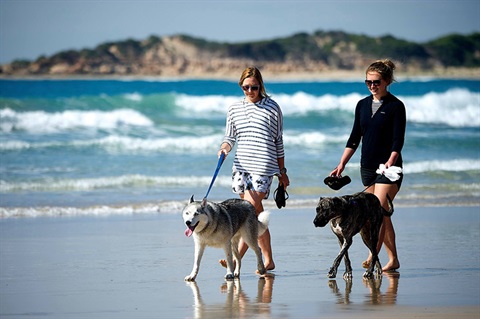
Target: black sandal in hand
<point>336,182</point>
<point>280,195</point>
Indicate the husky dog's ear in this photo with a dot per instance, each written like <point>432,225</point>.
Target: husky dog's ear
<point>191,200</point>
<point>204,203</point>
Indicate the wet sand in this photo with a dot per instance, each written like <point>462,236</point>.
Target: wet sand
<point>133,267</point>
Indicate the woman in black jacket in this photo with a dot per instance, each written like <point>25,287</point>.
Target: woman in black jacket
<point>380,122</point>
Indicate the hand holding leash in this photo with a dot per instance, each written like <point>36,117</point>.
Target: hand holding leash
<point>224,150</point>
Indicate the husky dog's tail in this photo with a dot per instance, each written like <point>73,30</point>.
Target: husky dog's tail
<point>263,219</point>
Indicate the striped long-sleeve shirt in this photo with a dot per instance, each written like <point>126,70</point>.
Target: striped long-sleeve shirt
<point>257,128</point>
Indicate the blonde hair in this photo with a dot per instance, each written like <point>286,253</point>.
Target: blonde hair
<point>255,73</point>
<point>384,68</point>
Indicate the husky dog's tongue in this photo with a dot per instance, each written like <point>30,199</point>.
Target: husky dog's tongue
<point>188,232</point>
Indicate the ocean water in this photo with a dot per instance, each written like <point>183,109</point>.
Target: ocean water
<point>98,147</point>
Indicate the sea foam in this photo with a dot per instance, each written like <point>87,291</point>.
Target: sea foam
<point>44,122</point>
<point>113,182</point>
<point>455,107</point>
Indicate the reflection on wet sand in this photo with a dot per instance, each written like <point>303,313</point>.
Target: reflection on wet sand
<point>375,295</point>
<point>237,303</point>
<point>341,298</point>
<point>389,297</point>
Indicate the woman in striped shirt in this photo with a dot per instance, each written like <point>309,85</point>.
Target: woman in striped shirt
<point>255,125</point>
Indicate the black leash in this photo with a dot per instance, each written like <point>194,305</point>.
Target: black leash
<point>374,182</point>
<point>385,212</point>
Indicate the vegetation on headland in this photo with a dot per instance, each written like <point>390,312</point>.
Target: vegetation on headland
<point>302,53</point>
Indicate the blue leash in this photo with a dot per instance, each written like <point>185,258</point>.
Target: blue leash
<point>220,162</point>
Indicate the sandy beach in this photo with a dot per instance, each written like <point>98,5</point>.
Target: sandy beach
<point>133,267</point>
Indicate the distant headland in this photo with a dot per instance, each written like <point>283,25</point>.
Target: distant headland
<point>332,54</point>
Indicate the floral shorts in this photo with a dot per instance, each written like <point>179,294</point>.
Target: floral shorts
<point>242,181</point>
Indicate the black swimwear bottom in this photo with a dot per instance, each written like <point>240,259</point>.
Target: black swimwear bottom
<point>370,177</point>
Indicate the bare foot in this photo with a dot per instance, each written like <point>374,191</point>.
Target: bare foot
<point>367,262</point>
<point>223,262</point>
<point>270,266</point>
<point>392,265</point>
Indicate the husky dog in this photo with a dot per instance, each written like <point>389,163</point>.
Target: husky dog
<point>348,215</point>
<point>222,225</point>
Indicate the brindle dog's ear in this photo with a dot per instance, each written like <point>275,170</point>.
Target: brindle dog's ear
<point>191,200</point>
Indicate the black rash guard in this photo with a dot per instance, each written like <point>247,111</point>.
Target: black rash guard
<point>381,134</point>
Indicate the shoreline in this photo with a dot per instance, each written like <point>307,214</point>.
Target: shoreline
<point>174,207</point>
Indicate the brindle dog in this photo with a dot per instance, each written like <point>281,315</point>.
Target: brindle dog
<point>348,215</point>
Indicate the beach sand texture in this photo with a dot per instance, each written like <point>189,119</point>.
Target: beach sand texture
<point>133,267</point>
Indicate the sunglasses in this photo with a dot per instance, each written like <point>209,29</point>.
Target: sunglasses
<point>374,82</point>
<point>252,87</point>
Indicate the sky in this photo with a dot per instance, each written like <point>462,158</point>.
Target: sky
<point>32,28</point>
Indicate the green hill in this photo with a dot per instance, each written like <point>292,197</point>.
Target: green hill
<point>183,55</point>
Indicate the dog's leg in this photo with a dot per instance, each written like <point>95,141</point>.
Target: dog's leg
<point>375,234</point>
<point>370,238</point>
<point>199,249</point>
<point>236,257</point>
<point>369,272</point>
<point>375,264</point>
<point>348,267</point>
<point>260,266</point>
<point>375,231</point>
<point>229,258</point>
<point>345,244</point>
<point>251,239</point>
<point>366,235</point>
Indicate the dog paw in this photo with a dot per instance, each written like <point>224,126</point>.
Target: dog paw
<point>190,278</point>
<point>230,277</point>
<point>332,273</point>
<point>348,275</point>
<point>367,275</point>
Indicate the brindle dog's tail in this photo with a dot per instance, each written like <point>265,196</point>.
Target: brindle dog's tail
<point>389,212</point>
